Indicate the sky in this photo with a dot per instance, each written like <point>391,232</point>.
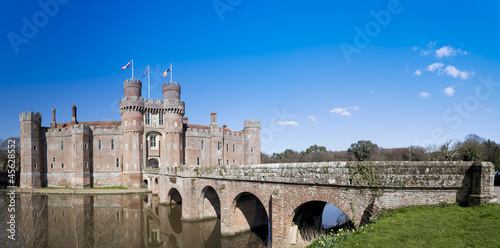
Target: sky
<point>398,73</point>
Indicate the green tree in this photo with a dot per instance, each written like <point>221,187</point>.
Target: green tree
<point>362,149</point>
<point>315,148</point>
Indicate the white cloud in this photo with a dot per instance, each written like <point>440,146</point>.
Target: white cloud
<point>454,72</point>
<point>312,118</point>
<point>344,111</point>
<point>417,72</point>
<point>449,91</point>
<point>414,48</point>
<point>287,123</point>
<point>447,51</point>
<point>432,67</point>
<point>424,94</point>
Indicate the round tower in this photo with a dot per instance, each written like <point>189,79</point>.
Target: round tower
<point>252,141</point>
<point>132,87</point>
<point>132,111</point>
<point>174,132</point>
<point>171,91</point>
<point>31,144</point>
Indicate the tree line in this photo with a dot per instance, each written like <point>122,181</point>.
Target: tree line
<point>472,148</point>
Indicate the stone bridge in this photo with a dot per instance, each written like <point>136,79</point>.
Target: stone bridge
<point>287,198</point>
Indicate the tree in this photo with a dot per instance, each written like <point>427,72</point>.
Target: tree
<point>362,149</point>
<point>315,148</point>
<point>417,153</point>
<point>470,150</point>
<point>449,150</point>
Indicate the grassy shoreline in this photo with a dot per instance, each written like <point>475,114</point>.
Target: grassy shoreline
<point>424,226</point>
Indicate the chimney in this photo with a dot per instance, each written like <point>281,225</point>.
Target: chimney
<point>53,124</point>
<point>213,119</point>
<point>73,116</point>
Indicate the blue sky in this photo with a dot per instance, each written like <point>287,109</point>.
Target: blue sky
<point>398,73</point>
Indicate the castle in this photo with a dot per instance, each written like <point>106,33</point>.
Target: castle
<point>152,134</point>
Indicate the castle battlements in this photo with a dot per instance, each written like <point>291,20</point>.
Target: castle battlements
<point>251,123</point>
<point>30,116</point>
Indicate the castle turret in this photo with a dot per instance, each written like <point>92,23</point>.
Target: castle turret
<point>31,144</point>
<point>252,141</point>
<point>132,111</point>
<point>173,147</point>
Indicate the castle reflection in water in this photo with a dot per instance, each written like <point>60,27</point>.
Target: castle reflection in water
<point>115,221</point>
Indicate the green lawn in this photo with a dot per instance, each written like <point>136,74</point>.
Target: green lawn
<point>426,226</point>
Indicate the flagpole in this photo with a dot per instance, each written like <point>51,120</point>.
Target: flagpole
<point>171,72</point>
<point>132,69</point>
<point>149,90</point>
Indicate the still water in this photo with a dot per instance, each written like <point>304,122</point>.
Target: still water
<point>110,221</point>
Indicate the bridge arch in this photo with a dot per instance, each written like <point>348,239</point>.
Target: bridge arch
<point>210,203</point>
<point>174,196</point>
<point>309,219</point>
<point>249,213</point>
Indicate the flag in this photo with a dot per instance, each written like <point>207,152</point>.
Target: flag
<point>165,73</point>
<point>146,72</point>
<point>128,65</point>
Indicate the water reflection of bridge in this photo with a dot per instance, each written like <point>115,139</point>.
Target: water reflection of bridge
<point>117,221</point>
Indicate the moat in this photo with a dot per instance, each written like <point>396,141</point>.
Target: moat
<point>114,221</point>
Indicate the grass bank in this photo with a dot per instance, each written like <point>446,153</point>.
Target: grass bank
<point>424,226</point>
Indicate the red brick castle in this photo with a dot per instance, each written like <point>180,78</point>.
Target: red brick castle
<point>152,134</point>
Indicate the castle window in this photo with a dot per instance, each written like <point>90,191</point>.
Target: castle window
<point>112,144</point>
<point>54,159</point>
<point>52,166</point>
<point>86,147</point>
<point>34,148</point>
<point>100,143</point>
<point>34,166</point>
<point>227,147</point>
<point>147,118</point>
<point>160,119</point>
<point>219,161</point>
<point>74,146</point>
<point>227,162</point>
<point>86,165</point>
<point>118,216</point>
<point>62,166</point>
<point>117,162</point>
<point>198,161</point>
<point>202,145</point>
<point>233,148</point>
<point>152,141</point>
<point>62,145</point>
<point>133,123</point>
<point>251,149</point>
<point>219,145</point>
<point>234,162</point>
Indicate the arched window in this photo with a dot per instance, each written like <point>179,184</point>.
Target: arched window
<point>153,163</point>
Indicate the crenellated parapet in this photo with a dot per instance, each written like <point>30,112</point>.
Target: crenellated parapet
<point>251,124</point>
<point>132,87</point>
<point>68,131</point>
<point>171,90</point>
<point>132,103</point>
<point>30,116</point>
